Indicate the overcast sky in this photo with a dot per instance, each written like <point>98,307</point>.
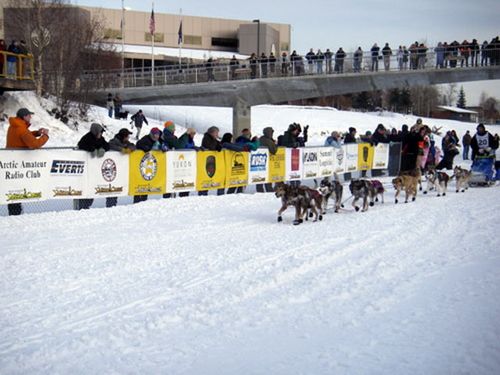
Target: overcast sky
<point>349,23</point>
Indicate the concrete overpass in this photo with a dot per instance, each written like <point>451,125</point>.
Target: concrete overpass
<point>242,95</point>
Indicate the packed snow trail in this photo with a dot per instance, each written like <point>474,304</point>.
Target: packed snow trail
<point>213,285</point>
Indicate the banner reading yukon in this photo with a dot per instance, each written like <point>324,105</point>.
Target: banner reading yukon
<point>351,157</point>
<point>365,156</point>
<point>339,160</point>
<point>109,176</point>
<point>236,168</point>
<point>147,173</point>
<point>326,157</point>
<point>68,177</point>
<point>277,166</point>
<point>258,166</point>
<point>210,171</point>
<point>310,163</point>
<point>381,156</point>
<point>293,164</point>
<point>181,171</point>
<point>24,176</point>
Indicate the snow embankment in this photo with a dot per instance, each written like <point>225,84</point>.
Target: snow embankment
<point>213,285</point>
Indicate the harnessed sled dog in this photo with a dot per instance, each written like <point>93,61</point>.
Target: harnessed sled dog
<point>330,189</point>
<point>302,198</point>
<point>438,180</point>
<point>463,177</point>
<point>362,189</point>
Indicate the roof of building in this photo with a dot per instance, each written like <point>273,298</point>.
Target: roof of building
<point>457,110</point>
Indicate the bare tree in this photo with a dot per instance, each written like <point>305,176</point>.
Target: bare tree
<point>449,94</point>
<point>424,99</point>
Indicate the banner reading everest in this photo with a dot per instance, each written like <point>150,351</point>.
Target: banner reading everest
<point>68,177</point>
<point>277,166</point>
<point>293,164</point>
<point>147,173</point>
<point>181,171</point>
<point>24,176</point>
<point>258,166</point>
<point>109,176</point>
<point>211,170</point>
<point>381,156</point>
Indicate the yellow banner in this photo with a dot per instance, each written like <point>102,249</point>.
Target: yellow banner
<point>236,168</point>
<point>277,166</point>
<point>147,173</point>
<point>365,156</point>
<point>211,170</point>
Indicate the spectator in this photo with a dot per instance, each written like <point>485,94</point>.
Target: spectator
<point>422,56</point>
<point>253,65</point>
<point>94,143</point>
<point>449,150</point>
<point>399,57</point>
<point>151,142</point>
<point>394,136</point>
<point>474,50</point>
<point>263,64</point>
<point>310,57</point>
<point>233,65</point>
<point>375,53</point>
<point>379,136</point>
<point>339,60</point>
<point>439,50</point>
<point>297,65</point>
<point>267,141</point>
<point>289,138</point>
<point>387,53</point>
<point>120,143</point>
<point>210,140</point>
<point>465,53</point>
<point>351,136</point>
<point>319,61</point>
<point>138,119</point>
<point>410,150</point>
<point>12,60</point>
<point>284,64</point>
<point>333,140</point>
<point>3,48</point>
<point>20,137</point>
<point>209,65</point>
<point>244,137</point>
<point>272,63</point>
<point>171,141</point>
<point>357,60</point>
<point>484,53</point>
<point>110,105</point>
<point>328,59</point>
<point>406,56</point>
<point>117,104</point>
<point>466,140</point>
<point>414,56</point>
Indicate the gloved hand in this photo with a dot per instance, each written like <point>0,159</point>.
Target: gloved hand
<point>488,149</point>
<point>306,127</point>
<point>100,152</point>
<point>126,150</point>
<point>164,147</point>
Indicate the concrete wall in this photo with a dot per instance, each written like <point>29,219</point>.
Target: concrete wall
<point>248,36</point>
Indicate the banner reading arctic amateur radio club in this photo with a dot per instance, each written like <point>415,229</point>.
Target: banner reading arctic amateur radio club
<point>68,174</point>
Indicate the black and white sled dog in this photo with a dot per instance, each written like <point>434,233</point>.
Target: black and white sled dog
<point>438,180</point>
<point>362,189</point>
<point>331,189</point>
<point>463,178</point>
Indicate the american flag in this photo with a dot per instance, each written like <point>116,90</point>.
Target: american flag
<point>152,22</point>
<point>179,41</point>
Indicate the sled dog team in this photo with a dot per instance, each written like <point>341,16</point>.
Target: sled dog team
<point>313,202</point>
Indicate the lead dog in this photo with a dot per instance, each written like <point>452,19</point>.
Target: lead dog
<point>463,178</point>
<point>328,189</point>
<point>362,189</point>
<point>438,180</point>
<point>407,183</point>
<point>302,198</point>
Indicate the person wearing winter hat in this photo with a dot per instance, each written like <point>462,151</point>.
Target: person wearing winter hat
<point>351,136</point>
<point>151,142</point>
<point>171,140</point>
<point>121,142</point>
<point>138,119</point>
<point>94,141</point>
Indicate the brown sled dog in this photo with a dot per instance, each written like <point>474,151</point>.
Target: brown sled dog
<point>408,184</point>
<point>302,198</point>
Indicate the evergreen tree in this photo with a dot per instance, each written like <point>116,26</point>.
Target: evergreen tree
<point>461,98</point>
<point>405,100</point>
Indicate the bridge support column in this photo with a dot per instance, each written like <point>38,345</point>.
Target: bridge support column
<point>241,117</point>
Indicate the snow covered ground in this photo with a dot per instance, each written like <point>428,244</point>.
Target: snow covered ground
<point>213,285</point>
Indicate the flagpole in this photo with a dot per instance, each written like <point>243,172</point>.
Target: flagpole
<point>153,50</point>
<point>123,43</point>
<point>181,41</point>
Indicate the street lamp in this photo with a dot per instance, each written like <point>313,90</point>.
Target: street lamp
<point>258,37</point>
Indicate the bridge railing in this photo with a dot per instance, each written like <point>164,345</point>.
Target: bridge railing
<point>433,58</point>
<point>16,66</point>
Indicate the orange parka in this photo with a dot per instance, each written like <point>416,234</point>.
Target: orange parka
<point>19,135</point>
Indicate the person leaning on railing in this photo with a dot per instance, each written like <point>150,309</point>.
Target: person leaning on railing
<point>3,48</point>
<point>19,136</point>
<point>12,59</point>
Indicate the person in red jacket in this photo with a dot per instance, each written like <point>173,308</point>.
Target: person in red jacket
<point>19,136</point>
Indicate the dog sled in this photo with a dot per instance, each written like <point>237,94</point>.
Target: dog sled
<point>482,171</point>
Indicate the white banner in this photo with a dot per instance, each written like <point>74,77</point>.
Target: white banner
<point>310,163</point>
<point>24,176</point>
<point>339,160</point>
<point>326,161</point>
<point>258,169</point>
<point>293,164</point>
<point>108,176</point>
<point>381,156</point>
<point>69,174</point>
<point>351,157</point>
<point>181,171</point>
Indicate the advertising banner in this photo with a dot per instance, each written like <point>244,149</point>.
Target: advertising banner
<point>258,169</point>
<point>181,171</point>
<point>310,163</point>
<point>68,177</point>
<point>24,176</point>
<point>365,156</point>
<point>293,164</point>
<point>326,161</point>
<point>339,160</point>
<point>147,173</point>
<point>277,166</point>
<point>108,176</point>
<point>351,157</point>
<point>381,156</point>
<point>236,168</point>
<point>210,171</point>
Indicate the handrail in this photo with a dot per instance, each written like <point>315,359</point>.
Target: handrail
<point>22,68</point>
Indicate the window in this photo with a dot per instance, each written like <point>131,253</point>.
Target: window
<point>112,34</point>
<point>225,42</point>
<point>159,37</point>
<point>194,40</point>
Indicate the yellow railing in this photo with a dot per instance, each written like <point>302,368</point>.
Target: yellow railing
<point>16,66</point>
